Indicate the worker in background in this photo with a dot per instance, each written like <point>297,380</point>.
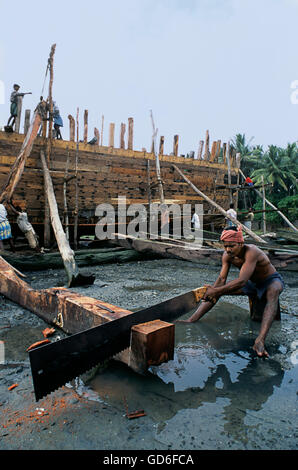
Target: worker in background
<point>5,229</point>
<point>57,120</point>
<point>232,213</point>
<point>14,104</point>
<point>25,227</point>
<point>248,182</point>
<point>249,218</point>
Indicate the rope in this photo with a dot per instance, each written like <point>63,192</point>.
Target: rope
<point>42,90</point>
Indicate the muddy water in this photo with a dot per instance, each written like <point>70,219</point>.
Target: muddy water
<point>214,394</point>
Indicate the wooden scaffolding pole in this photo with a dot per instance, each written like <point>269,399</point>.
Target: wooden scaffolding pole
<point>67,254</point>
<point>245,229</point>
<point>159,181</point>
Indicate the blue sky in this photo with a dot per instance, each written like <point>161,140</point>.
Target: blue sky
<point>222,65</point>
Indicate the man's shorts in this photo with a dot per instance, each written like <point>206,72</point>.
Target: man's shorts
<point>252,289</point>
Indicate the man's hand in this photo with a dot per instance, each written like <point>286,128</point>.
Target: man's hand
<point>211,294</point>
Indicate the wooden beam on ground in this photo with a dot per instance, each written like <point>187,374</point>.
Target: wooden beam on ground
<point>151,343</point>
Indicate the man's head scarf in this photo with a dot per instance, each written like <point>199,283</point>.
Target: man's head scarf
<point>232,236</point>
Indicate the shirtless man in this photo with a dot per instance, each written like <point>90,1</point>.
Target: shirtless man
<point>257,276</point>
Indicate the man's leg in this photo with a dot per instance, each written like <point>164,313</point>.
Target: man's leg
<point>272,295</point>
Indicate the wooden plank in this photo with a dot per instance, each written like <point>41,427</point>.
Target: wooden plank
<point>73,313</point>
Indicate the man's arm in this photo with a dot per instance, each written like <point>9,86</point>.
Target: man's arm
<point>245,274</point>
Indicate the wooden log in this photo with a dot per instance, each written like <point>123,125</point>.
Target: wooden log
<point>122,135</point>
<point>217,150</point>
<point>161,145</point>
<point>112,134</point>
<point>18,117</point>
<point>67,254</point>
<point>96,135</point>
<point>71,128</point>
<point>207,153</point>
<point>76,209</point>
<point>229,169</point>
<point>273,207</point>
<point>86,257</point>
<point>245,229</point>
<point>101,132</point>
<point>27,121</point>
<point>85,126</point>
<point>175,145</point>
<point>130,134</point>
<point>157,165</point>
<point>213,151</point>
<point>200,149</point>
<point>151,343</point>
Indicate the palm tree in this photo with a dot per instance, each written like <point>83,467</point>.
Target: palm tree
<point>278,169</point>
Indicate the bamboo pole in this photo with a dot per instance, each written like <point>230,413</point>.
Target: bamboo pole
<point>245,229</point>
<point>273,207</point>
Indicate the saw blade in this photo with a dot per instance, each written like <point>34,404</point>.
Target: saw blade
<point>55,364</point>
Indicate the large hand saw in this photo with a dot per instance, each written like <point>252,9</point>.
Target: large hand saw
<point>55,364</point>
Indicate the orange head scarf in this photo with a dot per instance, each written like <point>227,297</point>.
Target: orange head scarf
<point>232,236</point>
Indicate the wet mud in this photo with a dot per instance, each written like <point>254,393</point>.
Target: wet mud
<point>215,393</point>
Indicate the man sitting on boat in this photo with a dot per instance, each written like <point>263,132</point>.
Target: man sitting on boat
<point>257,277</point>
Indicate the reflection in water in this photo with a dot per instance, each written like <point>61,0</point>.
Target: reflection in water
<point>213,359</point>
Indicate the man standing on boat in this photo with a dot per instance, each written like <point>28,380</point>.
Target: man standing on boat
<point>14,104</point>
<point>257,277</point>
